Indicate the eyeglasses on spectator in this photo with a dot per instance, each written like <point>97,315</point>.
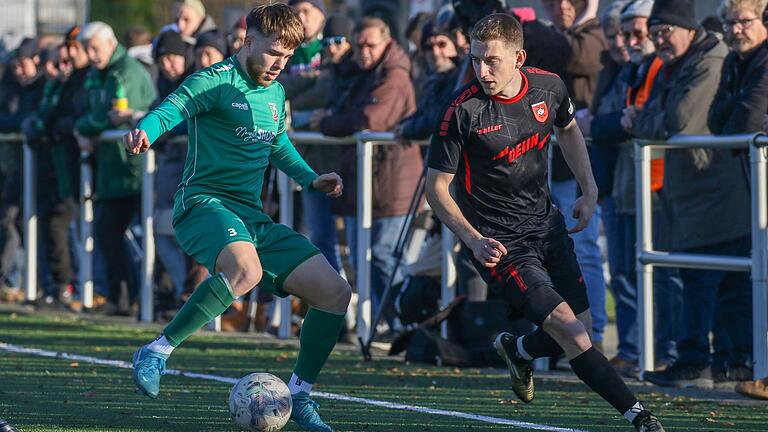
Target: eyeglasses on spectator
<point>333,40</point>
<point>730,25</point>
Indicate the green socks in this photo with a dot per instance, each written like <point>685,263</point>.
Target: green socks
<point>319,335</point>
<point>210,299</point>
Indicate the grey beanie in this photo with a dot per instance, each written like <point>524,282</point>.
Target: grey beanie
<point>637,9</point>
<point>611,17</point>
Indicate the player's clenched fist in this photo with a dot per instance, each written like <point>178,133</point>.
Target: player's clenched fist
<point>330,184</point>
<point>136,141</point>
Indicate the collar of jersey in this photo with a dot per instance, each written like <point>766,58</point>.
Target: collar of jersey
<point>516,98</point>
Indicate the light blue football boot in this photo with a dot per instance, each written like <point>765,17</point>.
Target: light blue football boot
<point>148,367</point>
<point>305,414</point>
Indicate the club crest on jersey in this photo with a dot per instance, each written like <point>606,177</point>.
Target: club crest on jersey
<point>540,111</point>
<point>273,108</point>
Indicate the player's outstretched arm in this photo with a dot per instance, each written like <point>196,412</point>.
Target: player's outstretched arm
<point>575,153</point>
<point>136,141</point>
<point>486,250</point>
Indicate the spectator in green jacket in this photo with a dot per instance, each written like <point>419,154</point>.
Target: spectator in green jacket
<point>118,90</point>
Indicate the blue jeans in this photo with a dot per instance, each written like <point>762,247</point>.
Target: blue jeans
<point>321,224</point>
<point>720,302</point>
<point>620,239</point>
<point>174,261</point>
<point>587,252</point>
<point>384,234</point>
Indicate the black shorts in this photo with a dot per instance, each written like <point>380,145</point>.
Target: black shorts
<point>536,276</point>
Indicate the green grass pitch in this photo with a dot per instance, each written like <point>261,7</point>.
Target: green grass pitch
<point>40,394</point>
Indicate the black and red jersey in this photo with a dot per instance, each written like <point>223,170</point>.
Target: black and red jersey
<point>497,148</point>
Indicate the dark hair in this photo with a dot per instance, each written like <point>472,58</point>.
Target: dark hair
<point>499,26</point>
<point>277,19</point>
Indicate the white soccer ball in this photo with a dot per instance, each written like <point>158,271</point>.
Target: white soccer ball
<point>260,402</point>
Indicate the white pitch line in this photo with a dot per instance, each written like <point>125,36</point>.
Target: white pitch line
<point>458,414</point>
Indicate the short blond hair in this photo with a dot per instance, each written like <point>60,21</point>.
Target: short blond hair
<point>373,22</point>
<point>277,19</point>
<point>757,6</point>
<point>501,27</point>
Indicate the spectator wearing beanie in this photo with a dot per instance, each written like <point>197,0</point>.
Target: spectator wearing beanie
<point>22,92</point>
<point>172,56</point>
<point>442,53</point>
<point>211,48</point>
<point>704,197</point>
<point>742,100</point>
<point>581,28</point>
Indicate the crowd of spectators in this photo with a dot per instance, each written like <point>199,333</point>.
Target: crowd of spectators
<point>641,69</point>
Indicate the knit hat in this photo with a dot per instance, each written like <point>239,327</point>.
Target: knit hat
<point>338,25</point>
<point>637,9</point>
<point>26,49</point>
<point>431,29</point>
<point>611,17</point>
<point>170,42</point>
<point>195,5</point>
<point>320,4</point>
<point>681,13</point>
<point>212,39</point>
<point>71,34</point>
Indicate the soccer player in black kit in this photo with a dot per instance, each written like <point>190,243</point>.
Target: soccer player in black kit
<point>492,144</point>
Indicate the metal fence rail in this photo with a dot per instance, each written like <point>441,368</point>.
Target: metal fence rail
<point>647,257</point>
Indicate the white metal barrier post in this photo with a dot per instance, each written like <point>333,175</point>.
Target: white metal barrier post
<point>283,307</point>
<point>86,229</point>
<point>759,165</point>
<point>644,243</point>
<point>448,275</point>
<point>30,221</point>
<point>364,223</point>
<point>148,240</point>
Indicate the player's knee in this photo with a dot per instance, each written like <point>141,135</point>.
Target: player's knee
<point>337,296</point>
<point>563,322</point>
<point>248,276</point>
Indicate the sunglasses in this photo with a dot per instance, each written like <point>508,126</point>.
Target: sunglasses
<point>440,44</point>
<point>334,40</point>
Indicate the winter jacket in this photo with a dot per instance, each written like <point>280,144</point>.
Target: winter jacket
<point>21,102</point>
<point>377,100</point>
<point>587,45</point>
<point>435,96</point>
<point>705,198</point>
<point>63,146</point>
<point>118,173</point>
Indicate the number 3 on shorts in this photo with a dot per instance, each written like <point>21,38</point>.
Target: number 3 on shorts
<point>232,232</point>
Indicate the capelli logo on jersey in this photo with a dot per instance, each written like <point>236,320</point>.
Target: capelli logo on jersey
<point>242,106</point>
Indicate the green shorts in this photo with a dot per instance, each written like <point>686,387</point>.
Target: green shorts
<point>206,226</point>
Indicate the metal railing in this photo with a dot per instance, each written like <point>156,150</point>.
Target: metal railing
<point>647,257</point>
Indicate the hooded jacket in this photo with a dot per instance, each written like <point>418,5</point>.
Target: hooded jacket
<point>377,100</point>
<point>587,44</point>
<point>705,196</point>
<point>118,174</point>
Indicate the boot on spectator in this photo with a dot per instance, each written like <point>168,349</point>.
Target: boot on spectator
<point>757,389</point>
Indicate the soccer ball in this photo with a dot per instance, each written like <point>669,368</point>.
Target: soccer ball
<point>260,402</point>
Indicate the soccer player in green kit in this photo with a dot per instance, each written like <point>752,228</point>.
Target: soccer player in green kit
<point>236,120</point>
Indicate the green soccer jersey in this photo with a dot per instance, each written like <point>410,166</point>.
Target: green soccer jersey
<point>236,128</point>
